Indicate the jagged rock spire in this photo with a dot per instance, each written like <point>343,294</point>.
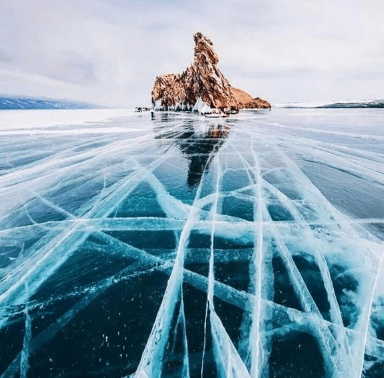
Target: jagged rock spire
<point>204,49</point>
<point>201,85</point>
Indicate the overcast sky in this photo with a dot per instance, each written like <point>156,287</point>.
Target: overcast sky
<point>110,51</point>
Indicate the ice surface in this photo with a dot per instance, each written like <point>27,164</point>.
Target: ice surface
<point>173,245</point>
<point>31,121</point>
<point>202,107</point>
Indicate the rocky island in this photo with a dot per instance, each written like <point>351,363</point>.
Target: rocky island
<point>202,87</point>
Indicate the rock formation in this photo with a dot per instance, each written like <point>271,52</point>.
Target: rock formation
<point>246,101</point>
<point>202,87</point>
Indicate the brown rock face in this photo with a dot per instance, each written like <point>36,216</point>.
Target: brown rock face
<point>201,80</point>
<point>246,101</point>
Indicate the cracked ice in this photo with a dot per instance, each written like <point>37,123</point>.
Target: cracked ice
<point>173,245</point>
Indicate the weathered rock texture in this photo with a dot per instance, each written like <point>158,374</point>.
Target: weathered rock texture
<point>246,101</point>
<point>202,86</point>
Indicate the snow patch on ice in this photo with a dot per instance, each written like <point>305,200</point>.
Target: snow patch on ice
<point>34,120</point>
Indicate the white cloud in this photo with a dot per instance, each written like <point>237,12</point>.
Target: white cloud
<point>110,51</point>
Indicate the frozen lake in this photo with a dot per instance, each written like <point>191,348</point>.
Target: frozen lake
<point>173,245</point>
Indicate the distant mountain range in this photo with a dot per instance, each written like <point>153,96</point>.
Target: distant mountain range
<point>328,104</point>
<point>8,103</point>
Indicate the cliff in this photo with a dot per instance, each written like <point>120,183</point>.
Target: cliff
<point>202,87</point>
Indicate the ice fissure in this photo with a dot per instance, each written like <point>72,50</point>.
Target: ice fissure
<point>191,247</point>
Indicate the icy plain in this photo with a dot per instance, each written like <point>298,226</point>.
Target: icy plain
<point>173,245</point>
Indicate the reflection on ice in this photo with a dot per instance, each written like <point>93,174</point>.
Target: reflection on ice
<point>186,246</point>
<point>199,145</point>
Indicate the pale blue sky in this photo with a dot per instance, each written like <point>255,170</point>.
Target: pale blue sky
<point>109,52</point>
